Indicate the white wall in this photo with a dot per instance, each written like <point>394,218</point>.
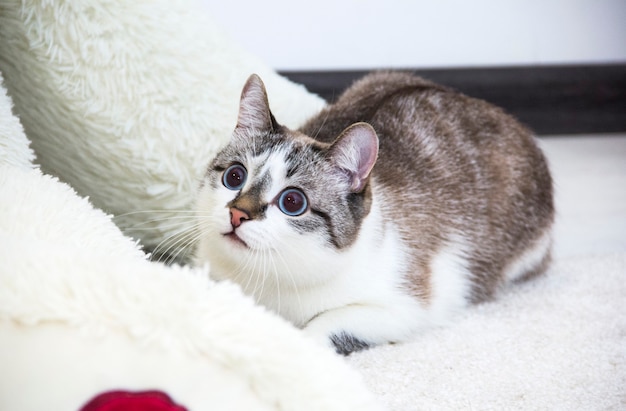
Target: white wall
<point>356,34</point>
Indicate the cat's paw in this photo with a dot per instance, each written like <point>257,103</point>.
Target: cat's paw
<point>346,344</point>
<point>342,342</point>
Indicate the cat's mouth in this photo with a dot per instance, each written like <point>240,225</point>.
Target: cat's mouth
<point>233,237</point>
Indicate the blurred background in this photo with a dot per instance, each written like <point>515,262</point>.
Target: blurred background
<point>359,34</point>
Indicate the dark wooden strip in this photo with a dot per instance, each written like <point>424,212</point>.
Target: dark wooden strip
<point>550,99</point>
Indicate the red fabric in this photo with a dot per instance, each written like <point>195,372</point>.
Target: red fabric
<point>132,401</point>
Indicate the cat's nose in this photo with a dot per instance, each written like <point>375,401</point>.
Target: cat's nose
<point>237,217</point>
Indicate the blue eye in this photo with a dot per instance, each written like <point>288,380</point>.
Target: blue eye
<point>234,177</point>
<point>293,202</point>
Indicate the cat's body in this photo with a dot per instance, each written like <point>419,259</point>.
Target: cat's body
<point>377,237</point>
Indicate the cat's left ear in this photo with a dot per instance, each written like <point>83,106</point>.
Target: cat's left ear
<point>354,152</point>
<point>254,108</point>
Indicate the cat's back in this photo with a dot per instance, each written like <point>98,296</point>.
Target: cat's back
<point>428,132</point>
<point>449,166</point>
<point>409,112</point>
<point>363,100</point>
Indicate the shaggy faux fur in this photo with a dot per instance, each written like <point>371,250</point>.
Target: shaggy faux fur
<point>14,146</point>
<point>127,101</point>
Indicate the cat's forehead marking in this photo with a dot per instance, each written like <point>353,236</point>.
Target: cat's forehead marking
<point>267,173</point>
<point>277,168</point>
<point>264,164</point>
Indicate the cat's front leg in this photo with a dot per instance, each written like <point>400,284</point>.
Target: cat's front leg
<point>360,326</point>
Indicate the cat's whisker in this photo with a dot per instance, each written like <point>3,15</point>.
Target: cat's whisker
<point>257,273</point>
<point>276,272</point>
<point>272,278</point>
<point>259,282</point>
<point>239,271</point>
<point>248,270</point>
<point>150,225</point>
<point>261,275</point>
<point>175,246</point>
<point>156,211</point>
<point>164,223</point>
<point>321,127</point>
<point>122,219</point>
<point>186,245</point>
<point>170,248</point>
<point>282,247</point>
<point>162,254</point>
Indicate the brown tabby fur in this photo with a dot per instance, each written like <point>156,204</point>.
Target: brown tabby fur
<point>461,163</point>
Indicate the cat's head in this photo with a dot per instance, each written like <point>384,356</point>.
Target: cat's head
<point>274,198</point>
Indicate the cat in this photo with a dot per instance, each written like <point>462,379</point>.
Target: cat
<point>392,210</point>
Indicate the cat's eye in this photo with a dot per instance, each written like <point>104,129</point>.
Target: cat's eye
<point>234,177</point>
<point>293,202</point>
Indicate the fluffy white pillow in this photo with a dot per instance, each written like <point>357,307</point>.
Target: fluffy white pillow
<point>83,313</point>
<point>127,101</point>
<point>14,146</point>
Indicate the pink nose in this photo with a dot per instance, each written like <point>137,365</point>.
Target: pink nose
<point>237,217</point>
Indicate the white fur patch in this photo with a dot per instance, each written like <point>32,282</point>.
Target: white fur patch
<point>277,167</point>
<point>365,295</point>
<point>450,281</point>
<point>358,290</point>
<point>530,258</point>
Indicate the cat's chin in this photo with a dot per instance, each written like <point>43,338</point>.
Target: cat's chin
<point>233,239</point>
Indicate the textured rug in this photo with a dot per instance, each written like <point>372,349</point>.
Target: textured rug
<point>557,342</point>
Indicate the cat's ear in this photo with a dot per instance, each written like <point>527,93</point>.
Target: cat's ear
<point>254,108</point>
<point>354,152</point>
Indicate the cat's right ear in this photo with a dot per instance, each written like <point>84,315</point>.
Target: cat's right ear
<point>254,108</point>
<point>354,153</point>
